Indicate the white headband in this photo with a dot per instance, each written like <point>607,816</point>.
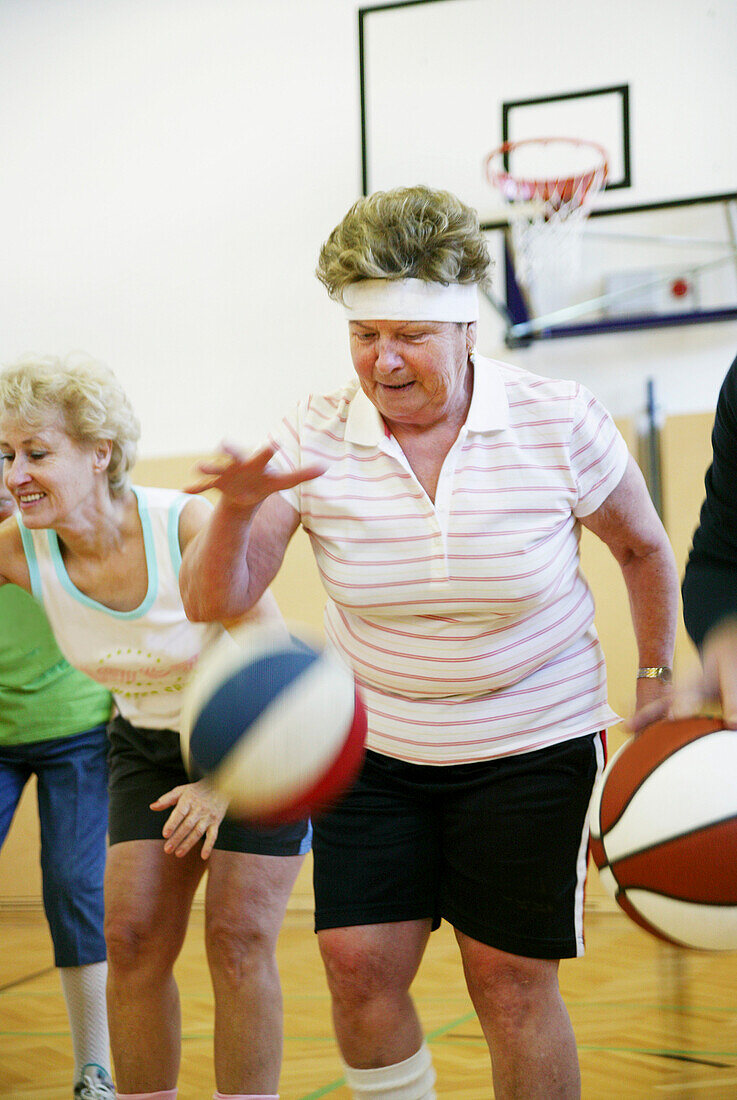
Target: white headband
<point>410,300</point>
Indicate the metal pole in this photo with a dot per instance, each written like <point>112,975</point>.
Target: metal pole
<point>651,461</point>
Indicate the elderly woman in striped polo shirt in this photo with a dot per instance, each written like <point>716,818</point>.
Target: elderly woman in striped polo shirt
<point>445,525</point>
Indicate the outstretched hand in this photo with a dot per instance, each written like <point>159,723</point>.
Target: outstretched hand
<point>246,480</point>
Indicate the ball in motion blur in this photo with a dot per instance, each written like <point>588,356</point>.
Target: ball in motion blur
<point>276,725</point>
<point>664,832</point>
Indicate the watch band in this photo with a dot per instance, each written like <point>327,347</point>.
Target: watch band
<point>658,672</point>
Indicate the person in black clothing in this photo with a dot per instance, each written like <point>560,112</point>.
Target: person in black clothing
<point>710,580</point>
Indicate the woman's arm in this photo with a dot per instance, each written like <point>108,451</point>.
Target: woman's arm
<point>717,682</point>
<point>194,518</point>
<point>629,525</point>
<point>228,565</point>
<point>13,564</point>
<point>710,579</point>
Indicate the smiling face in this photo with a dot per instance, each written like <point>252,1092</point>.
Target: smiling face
<point>416,373</point>
<point>47,472</point>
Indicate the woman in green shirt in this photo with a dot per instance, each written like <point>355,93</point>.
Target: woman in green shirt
<point>44,704</point>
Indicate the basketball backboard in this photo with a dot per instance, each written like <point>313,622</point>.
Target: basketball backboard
<point>443,82</point>
<point>652,266</point>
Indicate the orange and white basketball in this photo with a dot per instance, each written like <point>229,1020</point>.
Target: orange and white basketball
<point>664,832</point>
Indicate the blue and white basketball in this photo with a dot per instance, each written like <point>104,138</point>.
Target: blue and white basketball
<point>276,725</point>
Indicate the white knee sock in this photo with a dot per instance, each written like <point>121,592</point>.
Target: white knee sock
<point>412,1079</point>
<point>84,993</point>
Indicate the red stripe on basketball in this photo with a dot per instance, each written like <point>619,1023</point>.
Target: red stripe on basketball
<point>332,782</point>
<point>597,852</point>
<point>642,756</point>
<point>626,905</point>
<point>677,867</point>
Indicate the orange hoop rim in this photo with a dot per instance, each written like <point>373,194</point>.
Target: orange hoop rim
<point>556,189</point>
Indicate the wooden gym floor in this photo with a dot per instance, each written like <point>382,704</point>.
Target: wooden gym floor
<point>650,1021</point>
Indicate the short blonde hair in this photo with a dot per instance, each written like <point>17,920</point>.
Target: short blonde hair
<point>406,233</point>
<point>86,394</point>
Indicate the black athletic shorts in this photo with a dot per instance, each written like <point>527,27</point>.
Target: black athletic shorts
<point>144,764</point>
<point>499,848</point>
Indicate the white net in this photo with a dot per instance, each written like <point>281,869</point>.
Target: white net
<point>549,194</point>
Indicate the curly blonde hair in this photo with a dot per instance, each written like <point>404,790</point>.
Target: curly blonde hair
<point>406,233</point>
<point>86,394</point>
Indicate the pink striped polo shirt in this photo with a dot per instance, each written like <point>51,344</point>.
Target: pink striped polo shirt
<point>467,621</point>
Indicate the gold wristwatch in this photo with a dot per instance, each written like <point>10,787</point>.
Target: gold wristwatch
<point>658,672</point>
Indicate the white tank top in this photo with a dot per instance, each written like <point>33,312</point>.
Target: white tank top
<point>144,656</point>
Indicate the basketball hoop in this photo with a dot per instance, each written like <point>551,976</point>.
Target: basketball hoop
<point>549,194</point>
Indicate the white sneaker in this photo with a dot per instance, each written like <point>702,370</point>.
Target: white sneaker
<point>96,1084</point>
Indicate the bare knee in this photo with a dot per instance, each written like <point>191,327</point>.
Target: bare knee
<point>509,992</point>
<point>135,945</point>
<point>510,989</point>
<point>237,948</point>
<point>356,972</point>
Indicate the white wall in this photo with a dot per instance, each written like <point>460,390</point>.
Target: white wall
<point>169,170</point>
<point>446,69</point>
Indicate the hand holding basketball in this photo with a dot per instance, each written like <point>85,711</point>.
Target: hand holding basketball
<point>652,704</point>
<point>717,682</point>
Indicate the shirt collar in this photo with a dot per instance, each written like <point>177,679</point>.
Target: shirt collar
<point>489,410</point>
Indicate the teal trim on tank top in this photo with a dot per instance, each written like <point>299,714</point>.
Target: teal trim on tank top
<point>175,549</point>
<point>151,567</point>
<point>31,560</point>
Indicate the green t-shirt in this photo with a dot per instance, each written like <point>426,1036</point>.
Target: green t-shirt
<point>41,695</point>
